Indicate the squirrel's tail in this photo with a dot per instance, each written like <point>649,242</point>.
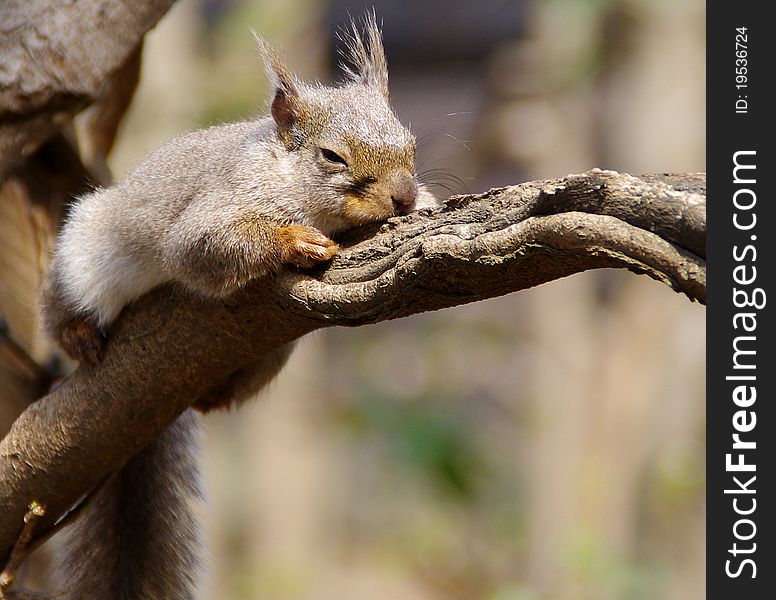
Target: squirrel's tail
<point>137,538</point>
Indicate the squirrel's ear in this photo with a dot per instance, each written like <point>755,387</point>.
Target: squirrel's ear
<point>285,103</point>
<point>365,51</point>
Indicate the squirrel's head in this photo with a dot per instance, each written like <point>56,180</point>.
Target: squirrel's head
<point>363,157</point>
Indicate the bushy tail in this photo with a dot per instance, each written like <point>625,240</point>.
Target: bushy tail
<point>137,538</point>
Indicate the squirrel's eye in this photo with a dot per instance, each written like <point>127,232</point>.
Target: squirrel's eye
<point>333,157</point>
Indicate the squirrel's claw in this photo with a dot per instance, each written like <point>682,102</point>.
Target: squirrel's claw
<point>306,246</point>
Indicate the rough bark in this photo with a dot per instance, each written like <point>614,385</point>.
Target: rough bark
<point>56,58</point>
<point>170,348</point>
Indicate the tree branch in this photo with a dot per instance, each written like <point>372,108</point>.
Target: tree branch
<point>55,59</point>
<point>170,348</point>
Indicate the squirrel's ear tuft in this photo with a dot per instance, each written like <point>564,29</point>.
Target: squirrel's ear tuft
<point>285,102</point>
<point>365,52</point>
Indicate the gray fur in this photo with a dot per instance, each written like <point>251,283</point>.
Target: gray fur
<point>118,243</point>
<point>367,54</point>
<point>211,210</point>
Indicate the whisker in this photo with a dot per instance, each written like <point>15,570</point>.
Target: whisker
<point>443,177</point>
<point>429,122</point>
<point>421,140</point>
<point>443,186</point>
<point>440,159</point>
<point>438,172</point>
<point>462,142</point>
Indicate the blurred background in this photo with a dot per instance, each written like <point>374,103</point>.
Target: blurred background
<point>544,445</point>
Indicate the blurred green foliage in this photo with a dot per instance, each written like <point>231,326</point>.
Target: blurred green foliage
<point>426,434</point>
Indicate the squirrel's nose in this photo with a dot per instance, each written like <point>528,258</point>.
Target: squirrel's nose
<point>404,194</point>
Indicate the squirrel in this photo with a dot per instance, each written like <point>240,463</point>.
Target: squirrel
<point>213,210</point>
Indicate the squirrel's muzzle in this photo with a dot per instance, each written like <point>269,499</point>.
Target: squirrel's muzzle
<point>404,193</point>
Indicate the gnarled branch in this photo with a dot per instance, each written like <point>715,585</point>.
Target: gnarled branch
<point>56,58</point>
<point>170,348</point>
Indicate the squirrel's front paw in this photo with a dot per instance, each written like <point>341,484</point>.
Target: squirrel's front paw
<point>83,341</point>
<point>306,246</point>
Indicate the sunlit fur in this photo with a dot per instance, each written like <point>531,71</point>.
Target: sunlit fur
<point>120,242</point>
<point>211,210</point>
